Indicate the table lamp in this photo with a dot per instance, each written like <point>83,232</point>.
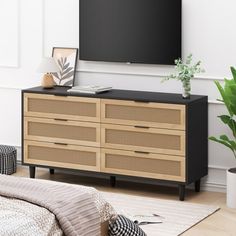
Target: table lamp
<point>48,66</point>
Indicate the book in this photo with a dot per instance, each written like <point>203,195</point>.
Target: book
<point>92,89</point>
<point>143,219</point>
<point>82,91</point>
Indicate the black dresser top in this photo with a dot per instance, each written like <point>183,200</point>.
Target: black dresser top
<point>141,96</point>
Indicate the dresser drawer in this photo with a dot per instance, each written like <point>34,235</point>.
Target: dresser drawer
<point>143,165</point>
<point>143,139</point>
<point>60,131</point>
<point>65,156</point>
<point>148,114</point>
<point>72,108</point>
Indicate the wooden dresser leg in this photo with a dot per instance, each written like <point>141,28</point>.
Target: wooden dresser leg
<point>113,181</point>
<point>52,171</point>
<point>32,172</point>
<point>198,185</point>
<point>181,192</point>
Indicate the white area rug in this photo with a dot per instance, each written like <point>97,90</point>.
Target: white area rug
<point>177,216</point>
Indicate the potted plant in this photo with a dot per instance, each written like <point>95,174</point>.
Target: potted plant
<point>228,94</point>
<point>185,71</point>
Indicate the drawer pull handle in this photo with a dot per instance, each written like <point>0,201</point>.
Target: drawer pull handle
<point>141,127</point>
<point>139,152</point>
<point>60,119</point>
<point>64,144</point>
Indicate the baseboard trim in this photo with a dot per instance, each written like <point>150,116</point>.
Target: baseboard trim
<point>218,167</point>
<point>214,187</point>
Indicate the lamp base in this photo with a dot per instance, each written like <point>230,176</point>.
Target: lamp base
<point>47,81</point>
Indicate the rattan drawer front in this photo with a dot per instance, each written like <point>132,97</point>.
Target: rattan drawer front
<point>69,156</point>
<point>72,108</point>
<point>143,139</point>
<point>143,165</point>
<point>148,114</point>
<point>69,132</point>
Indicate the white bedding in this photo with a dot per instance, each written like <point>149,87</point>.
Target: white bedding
<point>20,218</point>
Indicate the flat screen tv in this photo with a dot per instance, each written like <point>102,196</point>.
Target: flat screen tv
<point>131,31</point>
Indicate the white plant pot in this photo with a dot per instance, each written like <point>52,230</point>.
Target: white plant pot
<point>231,188</point>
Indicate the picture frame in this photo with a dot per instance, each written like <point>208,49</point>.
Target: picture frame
<point>66,59</point>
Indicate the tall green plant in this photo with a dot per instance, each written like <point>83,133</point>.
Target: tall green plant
<point>228,94</point>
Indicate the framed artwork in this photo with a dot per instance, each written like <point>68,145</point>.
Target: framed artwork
<point>66,59</point>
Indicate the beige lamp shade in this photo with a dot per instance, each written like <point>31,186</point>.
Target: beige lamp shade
<point>48,66</point>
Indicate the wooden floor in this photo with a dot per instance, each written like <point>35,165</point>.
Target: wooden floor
<point>221,223</point>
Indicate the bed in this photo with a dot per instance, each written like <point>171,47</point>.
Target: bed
<point>40,207</point>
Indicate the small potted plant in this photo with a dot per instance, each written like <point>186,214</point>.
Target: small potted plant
<point>185,71</point>
<point>228,94</point>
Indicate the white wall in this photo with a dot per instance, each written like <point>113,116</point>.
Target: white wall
<point>208,32</point>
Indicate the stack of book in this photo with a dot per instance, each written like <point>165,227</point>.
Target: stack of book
<point>92,89</point>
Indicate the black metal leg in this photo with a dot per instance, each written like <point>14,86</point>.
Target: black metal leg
<point>52,171</point>
<point>181,192</point>
<point>113,181</point>
<point>32,172</point>
<point>198,185</point>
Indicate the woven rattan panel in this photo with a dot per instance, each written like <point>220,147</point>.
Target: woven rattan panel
<point>153,140</point>
<point>131,163</point>
<point>62,155</point>
<point>62,131</point>
<point>62,107</point>
<point>147,114</point>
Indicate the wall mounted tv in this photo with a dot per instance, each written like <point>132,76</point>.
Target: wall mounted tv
<point>134,31</point>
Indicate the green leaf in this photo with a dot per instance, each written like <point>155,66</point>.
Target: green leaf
<point>224,138</point>
<point>233,108</point>
<point>225,119</point>
<point>229,84</point>
<point>222,142</point>
<point>233,88</point>
<point>233,70</point>
<point>230,122</point>
<point>224,97</point>
<point>233,144</point>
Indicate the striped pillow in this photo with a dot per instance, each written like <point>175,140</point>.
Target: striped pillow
<point>122,226</point>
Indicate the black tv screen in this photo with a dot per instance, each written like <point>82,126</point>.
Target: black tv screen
<point>133,31</point>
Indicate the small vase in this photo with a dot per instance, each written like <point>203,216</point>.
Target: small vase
<point>186,89</point>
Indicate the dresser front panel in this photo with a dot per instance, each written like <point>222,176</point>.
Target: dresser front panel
<point>143,139</point>
<point>66,156</point>
<point>65,107</point>
<point>143,164</point>
<point>137,113</point>
<point>69,132</point>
